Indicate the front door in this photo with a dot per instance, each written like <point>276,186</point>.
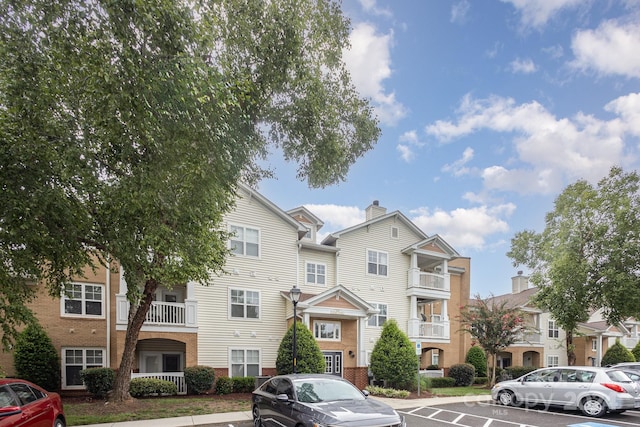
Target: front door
<point>333,362</point>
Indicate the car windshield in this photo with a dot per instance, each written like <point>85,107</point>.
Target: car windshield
<point>323,390</point>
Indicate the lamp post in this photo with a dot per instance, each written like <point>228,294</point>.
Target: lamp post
<point>294,294</point>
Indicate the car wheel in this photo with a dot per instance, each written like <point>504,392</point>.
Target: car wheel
<point>59,422</point>
<point>506,398</point>
<point>257,420</point>
<point>593,406</point>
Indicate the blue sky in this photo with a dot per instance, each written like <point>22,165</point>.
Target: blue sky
<point>488,110</point>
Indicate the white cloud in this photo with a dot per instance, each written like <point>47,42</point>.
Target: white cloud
<point>464,228</point>
<point>536,13</point>
<point>459,168</point>
<point>337,217</point>
<point>610,49</point>
<point>554,52</point>
<point>550,151</point>
<point>460,12</point>
<point>523,66</point>
<point>371,7</point>
<point>406,152</point>
<point>369,62</point>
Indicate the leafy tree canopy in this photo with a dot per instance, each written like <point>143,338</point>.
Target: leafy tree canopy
<point>393,358</point>
<point>125,127</point>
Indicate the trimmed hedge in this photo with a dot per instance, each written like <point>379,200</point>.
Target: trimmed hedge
<point>99,381</point>
<point>243,384</point>
<point>141,387</point>
<point>442,382</point>
<point>463,373</point>
<point>518,371</point>
<point>199,379</point>
<point>224,385</point>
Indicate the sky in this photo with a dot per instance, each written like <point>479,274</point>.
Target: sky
<point>488,110</point>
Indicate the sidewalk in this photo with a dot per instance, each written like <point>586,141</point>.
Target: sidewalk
<point>234,417</point>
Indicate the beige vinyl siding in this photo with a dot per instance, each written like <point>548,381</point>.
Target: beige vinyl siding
<point>378,289</point>
<point>273,272</point>
<point>326,258</point>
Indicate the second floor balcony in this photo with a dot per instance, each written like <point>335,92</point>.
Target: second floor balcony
<point>428,285</point>
<point>431,331</point>
<point>162,315</point>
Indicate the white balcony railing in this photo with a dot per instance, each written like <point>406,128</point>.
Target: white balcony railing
<point>629,342</point>
<point>175,377</point>
<point>530,338</point>
<point>429,330</point>
<point>166,313</point>
<point>429,281</point>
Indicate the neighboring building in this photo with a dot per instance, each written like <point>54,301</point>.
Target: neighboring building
<point>351,282</point>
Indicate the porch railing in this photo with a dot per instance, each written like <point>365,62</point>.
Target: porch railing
<point>418,329</point>
<point>174,377</point>
<point>166,313</point>
<point>629,342</point>
<point>424,280</point>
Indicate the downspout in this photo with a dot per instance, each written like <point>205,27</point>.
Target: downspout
<point>108,309</point>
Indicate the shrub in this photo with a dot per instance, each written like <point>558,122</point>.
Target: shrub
<point>617,353</point>
<point>477,357</point>
<point>243,384</point>
<point>99,381</point>
<point>309,356</point>
<point>518,371</point>
<point>224,385</point>
<point>141,387</point>
<point>387,392</point>
<point>481,380</point>
<point>441,382</point>
<point>463,374</point>
<point>199,379</point>
<point>636,352</point>
<point>36,359</point>
<point>393,359</point>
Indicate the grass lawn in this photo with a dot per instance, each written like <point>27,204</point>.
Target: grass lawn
<point>460,391</point>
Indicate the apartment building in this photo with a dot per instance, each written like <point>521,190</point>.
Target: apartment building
<point>351,282</point>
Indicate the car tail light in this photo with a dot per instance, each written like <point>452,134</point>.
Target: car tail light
<point>614,387</point>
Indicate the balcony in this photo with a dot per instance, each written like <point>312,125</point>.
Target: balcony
<point>431,331</point>
<point>428,285</point>
<point>629,342</point>
<point>532,338</point>
<point>166,313</point>
<point>162,316</point>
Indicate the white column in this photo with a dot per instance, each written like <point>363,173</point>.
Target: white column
<point>362,351</point>
<point>445,312</point>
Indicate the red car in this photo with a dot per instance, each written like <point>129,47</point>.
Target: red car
<point>25,404</point>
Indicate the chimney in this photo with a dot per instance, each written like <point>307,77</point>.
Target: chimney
<point>374,210</point>
<point>519,283</point>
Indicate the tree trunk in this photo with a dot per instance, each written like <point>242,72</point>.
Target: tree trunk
<point>571,353</point>
<point>493,371</point>
<point>122,381</point>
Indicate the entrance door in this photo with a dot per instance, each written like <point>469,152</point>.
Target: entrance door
<point>333,362</point>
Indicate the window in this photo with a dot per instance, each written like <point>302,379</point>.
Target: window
<point>316,273</point>
<point>594,345</point>
<point>435,357</point>
<point>245,241</point>
<point>83,299</point>
<point>381,317</point>
<point>553,329</point>
<point>394,232</point>
<point>377,263</point>
<point>245,304</point>
<point>553,361</point>
<point>75,360</point>
<point>245,363</point>
<point>326,330</point>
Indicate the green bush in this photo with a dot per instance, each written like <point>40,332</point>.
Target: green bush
<point>463,373</point>
<point>477,357</point>
<point>636,352</point>
<point>243,384</point>
<point>481,380</point>
<point>309,356</point>
<point>141,387</point>
<point>387,392</point>
<point>224,385</point>
<point>442,382</point>
<point>433,368</point>
<point>393,359</point>
<point>99,381</point>
<point>518,371</point>
<point>199,379</point>
<point>36,359</point>
<point>617,353</point>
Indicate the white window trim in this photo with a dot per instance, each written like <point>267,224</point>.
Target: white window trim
<point>367,263</point>
<point>397,229</point>
<point>64,298</point>
<point>244,255</point>
<point>63,364</point>
<point>553,361</point>
<point>316,273</point>
<point>377,304</point>
<point>245,318</point>
<point>244,349</point>
<point>337,326</point>
<point>594,344</point>
<point>553,327</point>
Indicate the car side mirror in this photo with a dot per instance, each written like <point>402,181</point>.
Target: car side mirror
<point>282,398</point>
<point>365,392</point>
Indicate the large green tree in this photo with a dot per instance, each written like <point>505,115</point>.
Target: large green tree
<point>588,255</point>
<point>494,325</point>
<point>393,358</point>
<point>126,125</point>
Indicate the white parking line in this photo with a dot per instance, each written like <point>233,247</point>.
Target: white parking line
<point>461,415</point>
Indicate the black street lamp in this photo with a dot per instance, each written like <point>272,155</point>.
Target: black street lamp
<point>294,294</point>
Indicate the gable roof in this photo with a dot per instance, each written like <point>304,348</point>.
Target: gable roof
<point>521,299</point>
<point>301,229</point>
<point>321,304</point>
<point>333,237</point>
<point>304,212</point>
<point>433,245</point>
